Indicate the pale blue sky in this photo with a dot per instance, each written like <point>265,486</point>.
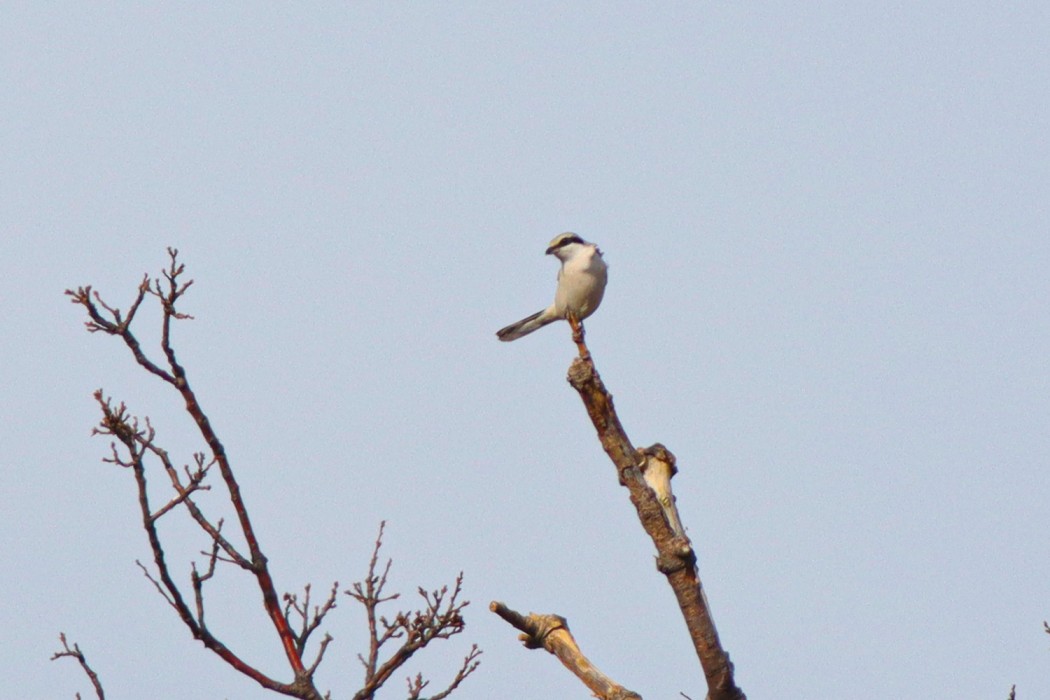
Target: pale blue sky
<point>828,241</point>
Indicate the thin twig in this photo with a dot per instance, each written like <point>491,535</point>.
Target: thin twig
<point>440,617</point>
<point>77,654</point>
<point>309,621</point>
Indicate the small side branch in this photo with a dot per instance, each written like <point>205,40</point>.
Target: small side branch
<point>551,632</point>
<point>309,620</point>
<point>469,665</point>
<point>77,654</point>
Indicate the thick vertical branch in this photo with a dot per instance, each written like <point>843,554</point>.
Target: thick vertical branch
<point>675,556</point>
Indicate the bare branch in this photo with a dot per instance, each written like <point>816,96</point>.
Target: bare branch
<point>676,558</point>
<point>138,443</point>
<point>185,490</point>
<point>156,584</point>
<point>469,665</point>
<point>369,594</point>
<point>116,325</point>
<point>194,481</point>
<point>134,447</point>
<point>551,632</point>
<point>325,640</point>
<point>309,621</point>
<point>77,654</point>
<point>439,618</point>
<point>198,579</point>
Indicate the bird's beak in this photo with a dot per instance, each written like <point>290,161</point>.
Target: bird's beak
<point>550,251</point>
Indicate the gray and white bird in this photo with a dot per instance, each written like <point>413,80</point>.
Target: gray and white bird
<point>581,285</point>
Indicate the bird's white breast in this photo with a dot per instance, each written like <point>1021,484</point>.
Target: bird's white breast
<point>581,283</point>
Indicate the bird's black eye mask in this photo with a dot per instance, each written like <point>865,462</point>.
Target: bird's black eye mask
<point>566,241</point>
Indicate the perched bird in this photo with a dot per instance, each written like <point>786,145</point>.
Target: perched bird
<point>581,284</point>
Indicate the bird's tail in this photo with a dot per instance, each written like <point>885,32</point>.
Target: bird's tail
<point>526,325</point>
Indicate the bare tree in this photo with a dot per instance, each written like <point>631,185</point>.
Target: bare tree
<point>646,473</point>
<point>134,447</point>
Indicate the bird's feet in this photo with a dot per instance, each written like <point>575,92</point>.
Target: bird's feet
<point>577,336</point>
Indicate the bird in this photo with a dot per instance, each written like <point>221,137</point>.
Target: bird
<point>581,285</point>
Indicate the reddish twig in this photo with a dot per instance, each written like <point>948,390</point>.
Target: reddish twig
<point>138,442</point>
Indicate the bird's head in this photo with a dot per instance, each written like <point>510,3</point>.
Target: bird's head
<point>565,245</point>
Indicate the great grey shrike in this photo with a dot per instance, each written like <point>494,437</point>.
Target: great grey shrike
<point>581,284</point>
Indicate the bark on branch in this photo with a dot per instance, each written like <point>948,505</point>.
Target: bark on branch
<point>676,558</point>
